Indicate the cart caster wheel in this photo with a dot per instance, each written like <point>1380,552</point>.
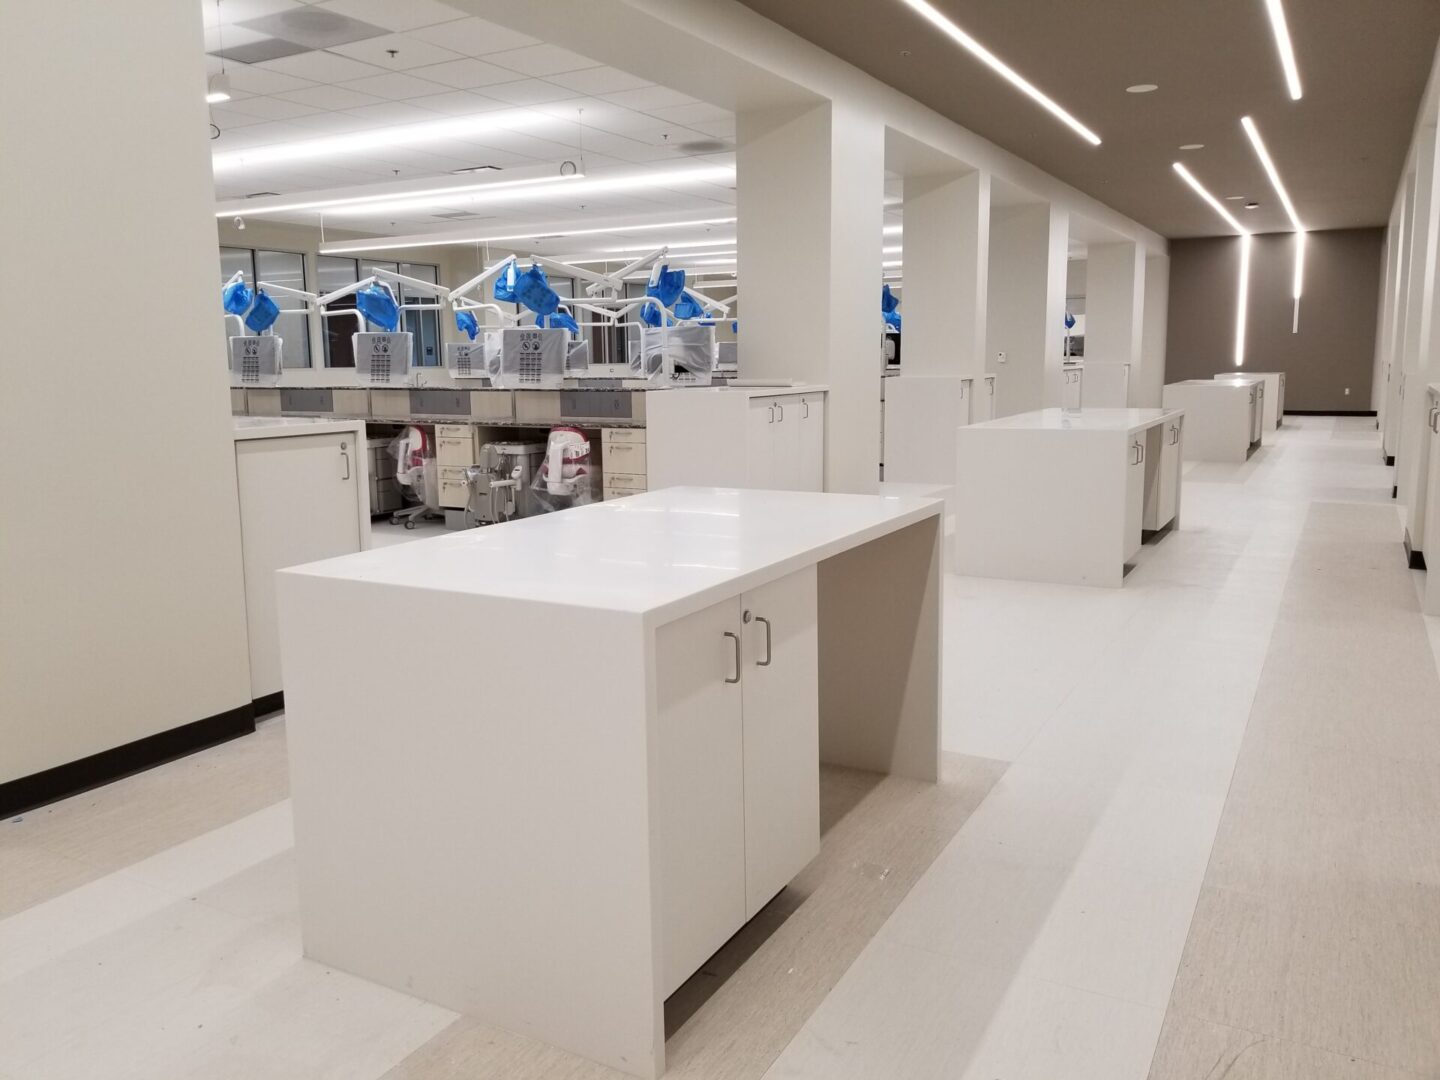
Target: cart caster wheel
<point>410,524</point>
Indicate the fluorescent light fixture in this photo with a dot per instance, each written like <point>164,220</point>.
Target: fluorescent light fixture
<point>382,243</point>
<point>217,89</point>
<point>1189,178</point>
<point>985,56</point>
<point>641,248</point>
<point>1242,302</point>
<point>1299,284</point>
<point>1270,171</point>
<point>673,256</point>
<point>588,185</point>
<point>459,127</point>
<point>341,203</point>
<point>1286,49</point>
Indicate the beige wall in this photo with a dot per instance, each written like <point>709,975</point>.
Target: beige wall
<point>121,595</point>
<point>1335,346</point>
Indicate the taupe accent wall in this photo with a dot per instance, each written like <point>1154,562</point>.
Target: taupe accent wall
<point>1335,346</point>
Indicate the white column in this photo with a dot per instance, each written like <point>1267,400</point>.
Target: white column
<point>1147,391</point>
<point>1025,307</point>
<point>123,611</point>
<point>810,186</point>
<point>1115,305</point>
<point>947,252</point>
<point>1410,460</point>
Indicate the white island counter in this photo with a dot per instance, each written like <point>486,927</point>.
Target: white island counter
<point>1060,495</point>
<point>541,771</point>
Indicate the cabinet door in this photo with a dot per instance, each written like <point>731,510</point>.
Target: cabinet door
<point>1134,496</point>
<point>781,692</point>
<point>812,442</point>
<point>760,440</point>
<point>702,811</point>
<point>1169,475</point>
<point>299,502</point>
<point>786,447</point>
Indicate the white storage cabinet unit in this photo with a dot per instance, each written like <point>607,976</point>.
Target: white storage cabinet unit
<point>921,415</point>
<point>304,495</point>
<point>1225,419</point>
<point>983,407</point>
<point>1274,393</point>
<point>1065,496</point>
<point>641,780</point>
<point>1072,386</point>
<point>769,437</point>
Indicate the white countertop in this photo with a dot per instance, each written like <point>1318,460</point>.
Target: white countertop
<point>1121,420</point>
<point>753,389</point>
<point>279,427</point>
<point>1234,380</point>
<point>660,554</point>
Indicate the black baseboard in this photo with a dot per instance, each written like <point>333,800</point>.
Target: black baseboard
<point>1389,459</point>
<point>1395,492</point>
<point>28,792</point>
<point>1330,412</point>
<point>270,703</point>
<point>1415,559</point>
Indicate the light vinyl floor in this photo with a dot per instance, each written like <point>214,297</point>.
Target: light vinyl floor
<point>1190,828</point>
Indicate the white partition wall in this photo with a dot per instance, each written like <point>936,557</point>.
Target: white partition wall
<point>1026,305</point>
<point>122,612</point>
<point>1115,305</point>
<point>947,246</point>
<point>1148,383</point>
<point>810,188</point>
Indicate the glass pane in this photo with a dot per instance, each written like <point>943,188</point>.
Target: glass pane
<point>333,273</point>
<point>425,325</point>
<point>288,269</point>
<point>233,259</point>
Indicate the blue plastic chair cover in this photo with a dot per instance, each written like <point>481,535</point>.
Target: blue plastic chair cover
<point>687,307</point>
<point>888,300</point>
<point>735,326</point>
<point>237,297</point>
<point>650,316</point>
<point>561,319</point>
<point>263,314</point>
<point>668,287</point>
<point>533,290</point>
<point>1069,321</point>
<point>505,286</point>
<point>466,323</point>
<point>892,318</point>
<point>378,306</point>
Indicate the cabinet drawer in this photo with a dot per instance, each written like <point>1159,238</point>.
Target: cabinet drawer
<point>624,457</point>
<point>450,450</point>
<point>612,435</point>
<point>618,485</point>
<point>454,488</point>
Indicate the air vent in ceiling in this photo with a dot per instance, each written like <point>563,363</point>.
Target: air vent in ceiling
<point>313,27</point>
<point>458,215</point>
<point>705,146</point>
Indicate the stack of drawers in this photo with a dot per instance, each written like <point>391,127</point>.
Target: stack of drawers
<point>455,451</point>
<point>385,494</point>
<point>623,461</point>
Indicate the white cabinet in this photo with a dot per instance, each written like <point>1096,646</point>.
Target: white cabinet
<point>1160,509</point>
<point>983,407</point>
<point>303,498</point>
<point>1273,401</point>
<point>1072,387</point>
<point>1134,495</point>
<point>1107,385</point>
<point>738,711</point>
<point>1222,417</point>
<point>756,437</point>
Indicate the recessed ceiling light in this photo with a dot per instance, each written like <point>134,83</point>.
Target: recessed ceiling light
<point>1193,146</point>
<point>1234,198</point>
<point>947,27</point>
<point>1141,88</point>
<point>1252,206</point>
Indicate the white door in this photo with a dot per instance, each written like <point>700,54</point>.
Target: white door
<point>812,442</point>
<point>299,502</point>
<point>698,671</point>
<point>1169,474</point>
<point>1134,495</point>
<point>760,444</point>
<point>1257,414</point>
<point>781,692</point>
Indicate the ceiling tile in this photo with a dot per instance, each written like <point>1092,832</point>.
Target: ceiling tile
<point>409,52</point>
<point>261,80</point>
<point>329,97</point>
<point>457,103</point>
<point>474,37</point>
<point>651,97</point>
<point>527,92</point>
<point>599,80</point>
<point>272,108</point>
<point>717,129</point>
<point>313,27</point>
<point>539,60</point>
<point>392,112</point>
<point>393,15</point>
<point>465,74</point>
<point>700,112</point>
<point>227,119</point>
<point>233,11</point>
<point>394,86</point>
<point>322,66</point>
<point>229,37</point>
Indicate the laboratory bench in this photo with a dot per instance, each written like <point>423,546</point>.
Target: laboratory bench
<point>623,765</point>
<point>1226,416</point>
<point>1274,393</point>
<point>1065,496</point>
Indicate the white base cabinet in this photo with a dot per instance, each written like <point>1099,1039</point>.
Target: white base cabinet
<point>921,415</point>
<point>1072,386</point>
<point>1224,418</point>
<point>1274,393</point>
<point>304,495</point>
<point>770,437</point>
<point>738,700</point>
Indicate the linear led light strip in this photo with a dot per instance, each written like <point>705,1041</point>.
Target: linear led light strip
<point>352,247</point>
<point>1243,300</point>
<point>985,56</point>
<point>1275,182</point>
<point>1285,47</point>
<point>461,190</point>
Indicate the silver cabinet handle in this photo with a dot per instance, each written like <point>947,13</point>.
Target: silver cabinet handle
<point>1141,448</point>
<point>772,414</point>
<point>735,640</point>
<point>346,456</point>
<point>769,650</point>
<point>1435,419</point>
<point>1174,434</point>
<point>992,387</point>
<point>781,409</point>
<point>806,406</point>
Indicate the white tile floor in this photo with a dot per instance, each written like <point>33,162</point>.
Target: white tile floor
<point>1043,941</point>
